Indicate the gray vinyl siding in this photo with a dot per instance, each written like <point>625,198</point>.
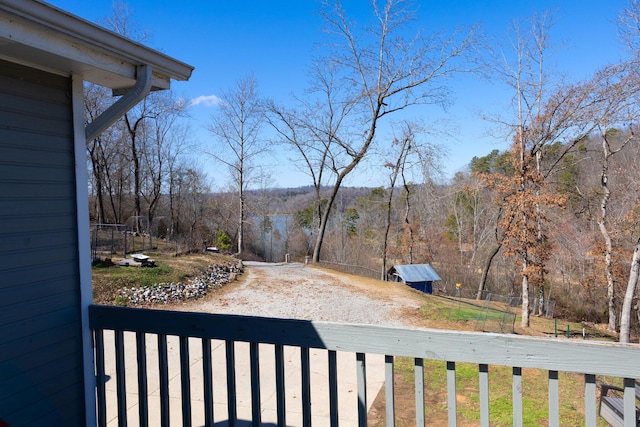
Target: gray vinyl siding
<point>40,334</point>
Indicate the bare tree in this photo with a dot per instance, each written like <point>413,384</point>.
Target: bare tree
<point>109,167</point>
<point>162,136</point>
<point>135,125</point>
<point>370,74</point>
<point>122,22</point>
<point>526,74</point>
<point>607,152</point>
<point>612,93</point>
<point>237,131</point>
<point>629,25</point>
<point>402,147</point>
<point>546,111</point>
<point>95,101</point>
<point>625,317</point>
<point>178,166</point>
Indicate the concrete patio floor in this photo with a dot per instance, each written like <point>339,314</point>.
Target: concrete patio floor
<point>347,383</point>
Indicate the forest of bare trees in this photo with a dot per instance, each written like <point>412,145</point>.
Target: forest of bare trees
<point>557,214</point>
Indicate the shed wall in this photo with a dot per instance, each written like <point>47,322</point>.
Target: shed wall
<point>40,333</point>
<point>426,287</point>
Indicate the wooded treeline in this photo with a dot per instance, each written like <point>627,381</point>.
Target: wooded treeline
<point>557,214</point>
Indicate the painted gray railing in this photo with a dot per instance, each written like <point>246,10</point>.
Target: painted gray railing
<point>149,389</point>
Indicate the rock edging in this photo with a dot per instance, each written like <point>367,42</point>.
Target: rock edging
<point>213,277</point>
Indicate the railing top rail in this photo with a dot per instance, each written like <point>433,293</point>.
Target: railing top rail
<point>589,357</point>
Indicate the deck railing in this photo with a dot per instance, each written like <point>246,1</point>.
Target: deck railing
<point>184,368</point>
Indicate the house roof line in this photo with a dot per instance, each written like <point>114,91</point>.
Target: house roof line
<point>80,33</point>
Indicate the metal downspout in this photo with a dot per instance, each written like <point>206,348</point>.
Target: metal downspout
<point>118,109</point>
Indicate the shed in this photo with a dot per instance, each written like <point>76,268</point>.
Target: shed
<point>46,54</point>
<point>418,276</point>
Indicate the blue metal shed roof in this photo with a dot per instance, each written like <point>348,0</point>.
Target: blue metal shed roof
<point>416,273</point>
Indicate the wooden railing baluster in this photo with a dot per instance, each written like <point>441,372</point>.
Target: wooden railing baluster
<point>629,402</point>
<point>452,410</point>
<point>418,374</point>
<point>554,399</point>
<point>207,379</point>
<point>101,379</point>
<point>163,368</point>
<point>185,381</point>
<point>484,394</point>
<point>361,365</point>
<point>590,406</point>
<point>121,384</point>
<point>516,393</point>
<point>256,418</point>
<point>389,391</point>
<point>333,388</point>
<point>231,383</point>
<point>143,400</point>
<point>305,366</point>
<point>280,387</point>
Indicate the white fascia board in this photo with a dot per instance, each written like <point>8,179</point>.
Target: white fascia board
<point>41,35</point>
<point>84,247</point>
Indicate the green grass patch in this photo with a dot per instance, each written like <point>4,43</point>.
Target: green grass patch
<point>109,278</point>
<point>457,310</point>
<point>494,318</point>
<point>145,276</point>
<point>535,401</point>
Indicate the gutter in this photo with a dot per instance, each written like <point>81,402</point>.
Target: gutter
<point>141,89</point>
<point>86,33</point>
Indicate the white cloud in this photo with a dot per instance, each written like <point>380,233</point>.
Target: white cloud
<point>206,100</point>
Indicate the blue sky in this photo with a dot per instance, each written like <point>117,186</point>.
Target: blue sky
<point>275,40</point>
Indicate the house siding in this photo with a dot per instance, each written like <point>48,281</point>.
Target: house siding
<point>40,331</point>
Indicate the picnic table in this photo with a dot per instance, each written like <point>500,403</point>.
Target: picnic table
<point>138,260</point>
<point>612,404</point>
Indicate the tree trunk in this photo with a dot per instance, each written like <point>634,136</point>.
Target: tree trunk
<point>325,216</point>
<point>336,186</point>
<point>385,243</point>
<point>407,201</point>
<point>241,213</point>
<point>525,295</point>
<point>399,166</point>
<point>602,224</point>
<point>135,157</point>
<point>525,253</point>
<point>97,174</point>
<point>625,317</point>
<point>611,326</point>
<point>485,272</point>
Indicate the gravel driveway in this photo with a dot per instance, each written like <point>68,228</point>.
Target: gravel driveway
<point>273,290</point>
<point>297,291</point>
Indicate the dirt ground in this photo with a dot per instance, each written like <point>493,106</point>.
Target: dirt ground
<point>305,292</point>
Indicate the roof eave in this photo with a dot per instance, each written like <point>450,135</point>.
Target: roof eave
<point>80,46</point>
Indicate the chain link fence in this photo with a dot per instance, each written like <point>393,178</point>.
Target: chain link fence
<point>543,307</point>
<point>494,313</point>
<point>351,269</point>
<point>119,240</point>
<point>498,314</point>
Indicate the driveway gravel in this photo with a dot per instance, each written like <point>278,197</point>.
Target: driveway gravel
<point>298,291</point>
<point>295,291</point>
